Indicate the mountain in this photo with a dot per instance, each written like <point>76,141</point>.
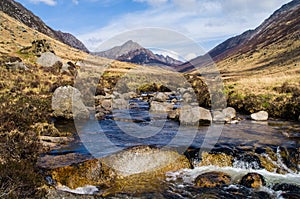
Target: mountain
<point>20,13</point>
<point>134,53</point>
<point>282,27</point>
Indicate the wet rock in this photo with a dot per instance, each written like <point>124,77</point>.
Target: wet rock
<point>280,161</point>
<point>260,116</point>
<point>193,115</point>
<point>212,179</point>
<point>134,169</point>
<point>91,172</point>
<point>247,161</point>
<point>286,187</point>
<point>50,161</point>
<point>161,107</point>
<point>290,195</point>
<point>219,159</point>
<point>67,103</point>
<point>58,194</point>
<point>145,159</point>
<point>253,180</point>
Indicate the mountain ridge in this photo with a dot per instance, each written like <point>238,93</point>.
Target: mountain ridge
<point>133,52</point>
<point>25,16</point>
<point>282,24</point>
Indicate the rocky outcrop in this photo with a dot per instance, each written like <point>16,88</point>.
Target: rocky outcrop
<point>13,63</point>
<point>260,116</point>
<point>67,103</point>
<point>212,179</point>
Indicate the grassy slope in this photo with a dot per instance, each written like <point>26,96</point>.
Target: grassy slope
<point>272,74</point>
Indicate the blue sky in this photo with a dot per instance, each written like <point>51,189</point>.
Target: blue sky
<point>207,22</point>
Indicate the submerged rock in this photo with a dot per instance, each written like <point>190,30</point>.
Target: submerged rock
<point>67,103</point>
<point>253,180</point>
<point>212,179</point>
<point>260,116</point>
<point>219,159</point>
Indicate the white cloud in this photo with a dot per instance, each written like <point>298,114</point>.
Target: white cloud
<point>48,2</point>
<point>204,21</point>
<point>76,2</point>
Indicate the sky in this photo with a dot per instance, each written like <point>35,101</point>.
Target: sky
<point>205,22</point>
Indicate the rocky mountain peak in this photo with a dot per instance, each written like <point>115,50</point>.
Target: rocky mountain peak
<point>133,52</point>
<point>23,15</point>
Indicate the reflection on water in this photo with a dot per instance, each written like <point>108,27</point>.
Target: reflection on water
<point>114,134</point>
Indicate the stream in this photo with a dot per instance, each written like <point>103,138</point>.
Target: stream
<point>127,128</point>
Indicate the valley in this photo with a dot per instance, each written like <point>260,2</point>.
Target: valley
<point>121,124</point>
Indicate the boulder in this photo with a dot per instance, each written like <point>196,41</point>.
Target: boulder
<point>260,116</point>
<point>218,116</point>
<point>160,97</point>
<point>48,59</point>
<point>136,169</point>
<point>14,63</point>
<point>253,180</point>
<point>67,103</point>
<point>193,115</point>
<point>229,112</point>
<point>146,159</point>
<point>212,179</point>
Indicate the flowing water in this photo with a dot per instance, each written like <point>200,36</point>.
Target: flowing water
<point>127,128</point>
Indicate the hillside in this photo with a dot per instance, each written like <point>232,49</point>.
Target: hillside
<point>20,13</point>
<point>261,67</point>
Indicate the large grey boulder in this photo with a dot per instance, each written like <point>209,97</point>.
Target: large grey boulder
<point>260,116</point>
<point>67,103</point>
<point>193,115</point>
<point>48,59</point>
